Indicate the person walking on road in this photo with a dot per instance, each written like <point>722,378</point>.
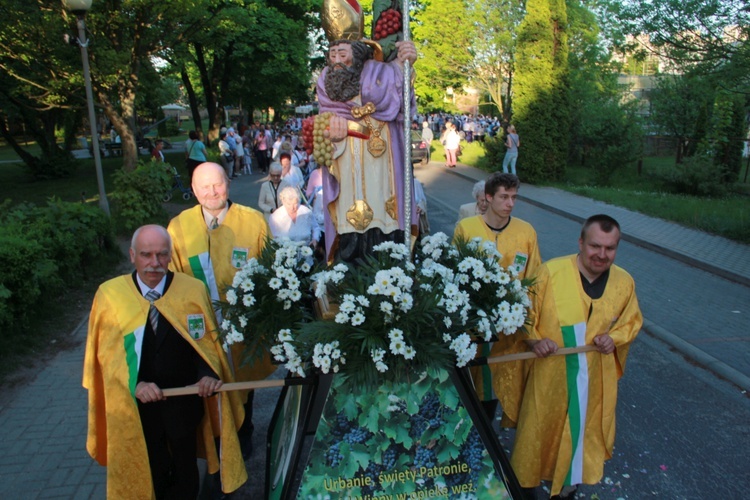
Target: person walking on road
<point>516,240</point>
<point>211,242</point>
<point>512,142</point>
<point>566,426</point>
<point>451,141</point>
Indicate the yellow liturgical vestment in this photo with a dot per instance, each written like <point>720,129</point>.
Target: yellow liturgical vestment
<point>566,426</point>
<point>517,243</point>
<point>215,255</point>
<point>110,373</point>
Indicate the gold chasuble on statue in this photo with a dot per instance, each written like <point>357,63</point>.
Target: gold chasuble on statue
<point>367,196</point>
<point>517,244</point>
<point>214,256</point>
<point>566,426</point>
<point>110,373</point>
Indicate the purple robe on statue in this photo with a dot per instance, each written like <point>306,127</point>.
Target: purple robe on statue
<point>381,84</point>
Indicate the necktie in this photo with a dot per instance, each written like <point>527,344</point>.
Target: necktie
<point>215,223</point>
<point>153,313</point>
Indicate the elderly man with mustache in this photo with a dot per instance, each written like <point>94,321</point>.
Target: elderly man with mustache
<point>151,330</point>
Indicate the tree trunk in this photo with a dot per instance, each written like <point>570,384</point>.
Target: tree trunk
<point>209,86</point>
<point>193,100</point>
<point>30,160</point>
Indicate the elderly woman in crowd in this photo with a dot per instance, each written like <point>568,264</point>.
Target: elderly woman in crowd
<point>292,220</point>
<point>290,174</point>
<point>269,200</point>
<point>477,208</point>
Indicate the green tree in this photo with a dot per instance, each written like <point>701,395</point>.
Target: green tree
<point>441,32</point>
<point>493,49</point>
<point>727,131</point>
<point>681,106</point>
<point>541,103</point>
<point>704,36</point>
<point>40,85</point>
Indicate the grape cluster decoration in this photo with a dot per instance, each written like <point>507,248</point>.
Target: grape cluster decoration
<point>388,23</point>
<point>316,132</point>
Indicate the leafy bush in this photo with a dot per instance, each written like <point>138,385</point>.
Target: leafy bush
<point>494,152</point>
<point>137,197</point>
<point>697,175</point>
<point>27,274</point>
<point>44,249</point>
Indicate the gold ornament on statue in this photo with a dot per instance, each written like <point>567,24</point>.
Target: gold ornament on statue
<point>344,20</point>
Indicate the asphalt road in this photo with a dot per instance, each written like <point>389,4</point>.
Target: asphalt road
<point>682,431</point>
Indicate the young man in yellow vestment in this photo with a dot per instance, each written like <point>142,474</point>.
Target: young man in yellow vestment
<point>211,242</point>
<point>566,426</point>
<point>516,241</point>
<point>151,330</point>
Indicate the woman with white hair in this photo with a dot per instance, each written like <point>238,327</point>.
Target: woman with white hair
<point>292,220</point>
<point>269,200</point>
<point>477,208</point>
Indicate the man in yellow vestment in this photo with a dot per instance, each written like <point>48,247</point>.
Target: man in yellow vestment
<point>151,330</point>
<point>516,241</point>
<point>566,426</point>
<point>211,242</point>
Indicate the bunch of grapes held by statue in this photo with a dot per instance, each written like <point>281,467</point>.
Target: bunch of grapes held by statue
<point>388,23</point>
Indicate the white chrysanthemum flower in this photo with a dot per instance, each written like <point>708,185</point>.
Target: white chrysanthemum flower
<point>381,367</point>
<point>226,325</point>
<point>287,305</point>
<point>358,318</point>
<point>243,321</point>
<point>409,352</point>
<point>397,346</point>
<point>275,283</point>
<point>341,318</point>
<point>285,335</point>
<point>247,285</point>
<point>231,297</point>
<point>248,300</point>
<point>377,354</point>
<point>447,321</point>
<point>363,301</point>
<point>396,334</point>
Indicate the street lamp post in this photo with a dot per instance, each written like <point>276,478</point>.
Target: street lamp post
<point>79,8</point>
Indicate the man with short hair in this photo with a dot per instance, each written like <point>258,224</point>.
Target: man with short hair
<point>427,135</point>
<point>151,330</point>
<point>516,241</point>
<point>211,242</point>
<point>566,426</point>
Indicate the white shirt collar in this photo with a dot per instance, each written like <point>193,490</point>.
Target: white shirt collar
<point>159,288</point>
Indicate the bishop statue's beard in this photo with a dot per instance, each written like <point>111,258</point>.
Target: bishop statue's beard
<point>342,82</point>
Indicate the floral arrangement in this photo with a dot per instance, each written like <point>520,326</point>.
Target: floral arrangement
<point>268,296</point>
<point>397,313</point>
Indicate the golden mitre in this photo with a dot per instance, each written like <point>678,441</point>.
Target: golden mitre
<point>344,20</point>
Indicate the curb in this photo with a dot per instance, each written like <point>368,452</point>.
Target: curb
<point>695,354</point>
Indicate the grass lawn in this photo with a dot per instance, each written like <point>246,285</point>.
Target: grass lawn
<point>17,184</point>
